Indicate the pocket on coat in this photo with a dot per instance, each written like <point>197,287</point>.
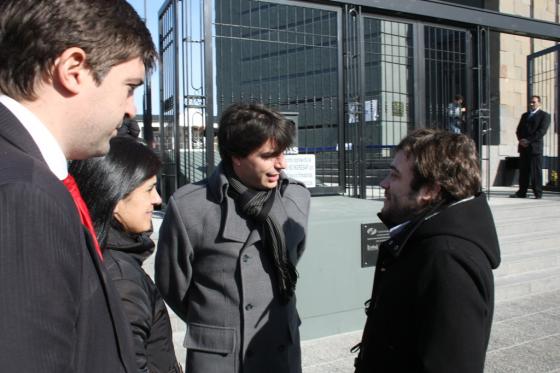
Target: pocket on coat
<point>293,329</point>
<point>208,338</point>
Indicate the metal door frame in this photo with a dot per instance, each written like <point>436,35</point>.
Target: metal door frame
<point>211,105</point>
<point>172,39</point>
<point>169,41</point>
<point>357,182</point>
<point>481,118</point>
<point>351,85</point>
<point>552,165</point>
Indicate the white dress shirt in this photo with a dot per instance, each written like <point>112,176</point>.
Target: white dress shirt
<point>47,144</point>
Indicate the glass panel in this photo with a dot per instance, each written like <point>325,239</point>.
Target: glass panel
<point>192,142</point>
<point>388,108</point>
<point>544,82</point>
<point>446,69</point>
<point>285,57</point>
<point>389,82</point>
<point>165,133</point>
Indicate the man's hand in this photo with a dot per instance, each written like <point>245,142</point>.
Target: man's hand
<point>524,143</point>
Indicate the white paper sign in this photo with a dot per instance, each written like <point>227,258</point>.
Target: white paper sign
<point>370,108</point>
<point>302,168</point>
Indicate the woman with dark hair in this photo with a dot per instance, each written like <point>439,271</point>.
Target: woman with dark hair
<point>120,191</point>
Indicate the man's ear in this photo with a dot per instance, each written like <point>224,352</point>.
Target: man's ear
<point>235,161</point>
<point>428,194</point>
<point>70,70</point>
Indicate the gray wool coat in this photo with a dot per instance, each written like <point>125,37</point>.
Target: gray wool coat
<point>214,272</point>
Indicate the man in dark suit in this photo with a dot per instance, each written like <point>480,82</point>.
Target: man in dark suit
<point>530,132</point>
<point>68,69</point>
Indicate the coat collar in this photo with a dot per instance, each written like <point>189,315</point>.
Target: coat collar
<point>13,131</point>
<point>396,243</point>
<point>234,226</point>
<point>45,141</point>
<point>218,183</point>
<point>138,246</point>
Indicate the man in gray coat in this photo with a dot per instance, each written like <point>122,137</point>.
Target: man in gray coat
<point>228,248</point>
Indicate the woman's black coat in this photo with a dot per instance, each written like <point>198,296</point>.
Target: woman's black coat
<point>143,305</point>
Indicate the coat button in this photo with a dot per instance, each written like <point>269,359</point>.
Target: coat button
<point>382,269</point>
<point>246,258</point>
<point>248,307</point>
<point>281,348</point>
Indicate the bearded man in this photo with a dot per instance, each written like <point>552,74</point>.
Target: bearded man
<point>433,295</point>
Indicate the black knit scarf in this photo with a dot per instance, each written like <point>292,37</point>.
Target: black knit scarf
<point>256,205</point>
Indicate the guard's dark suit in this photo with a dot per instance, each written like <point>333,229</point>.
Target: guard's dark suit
<point>533,128</point>
<point>58,313</point>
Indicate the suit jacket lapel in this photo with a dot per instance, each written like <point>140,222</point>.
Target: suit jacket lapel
<point>13,131</point>
<point>120,322</point>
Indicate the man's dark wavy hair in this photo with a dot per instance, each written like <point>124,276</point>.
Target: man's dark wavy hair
<point>243,128</point>
<point>447,159</point>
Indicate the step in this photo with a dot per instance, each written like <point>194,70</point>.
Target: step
<point>510,235</point>
<point>526,335</point>
<point>524,243</point>
<point>525,284</point>
<point>514,242</point>
<point>519,307</point>
<point>517,214</point>
<point>512,250</point>
<point>521,246</point>
<point>528,261</point>
<point>539,223</point>
<point>521,211</point>
<point>527,327</point>
<point>538,355</point>
<point>529,221</point>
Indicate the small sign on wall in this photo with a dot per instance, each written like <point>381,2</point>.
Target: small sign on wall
<point>302,168</point>
<point>398,109</point>
<point>373,234</point>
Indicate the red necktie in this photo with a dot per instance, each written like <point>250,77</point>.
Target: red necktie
<point>72,187</point>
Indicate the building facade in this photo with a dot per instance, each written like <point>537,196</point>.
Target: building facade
<point>355,76</point>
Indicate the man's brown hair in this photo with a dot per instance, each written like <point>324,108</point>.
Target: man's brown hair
<point>244,128</point>
<point>442,158</point>
<point>34,33</point>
